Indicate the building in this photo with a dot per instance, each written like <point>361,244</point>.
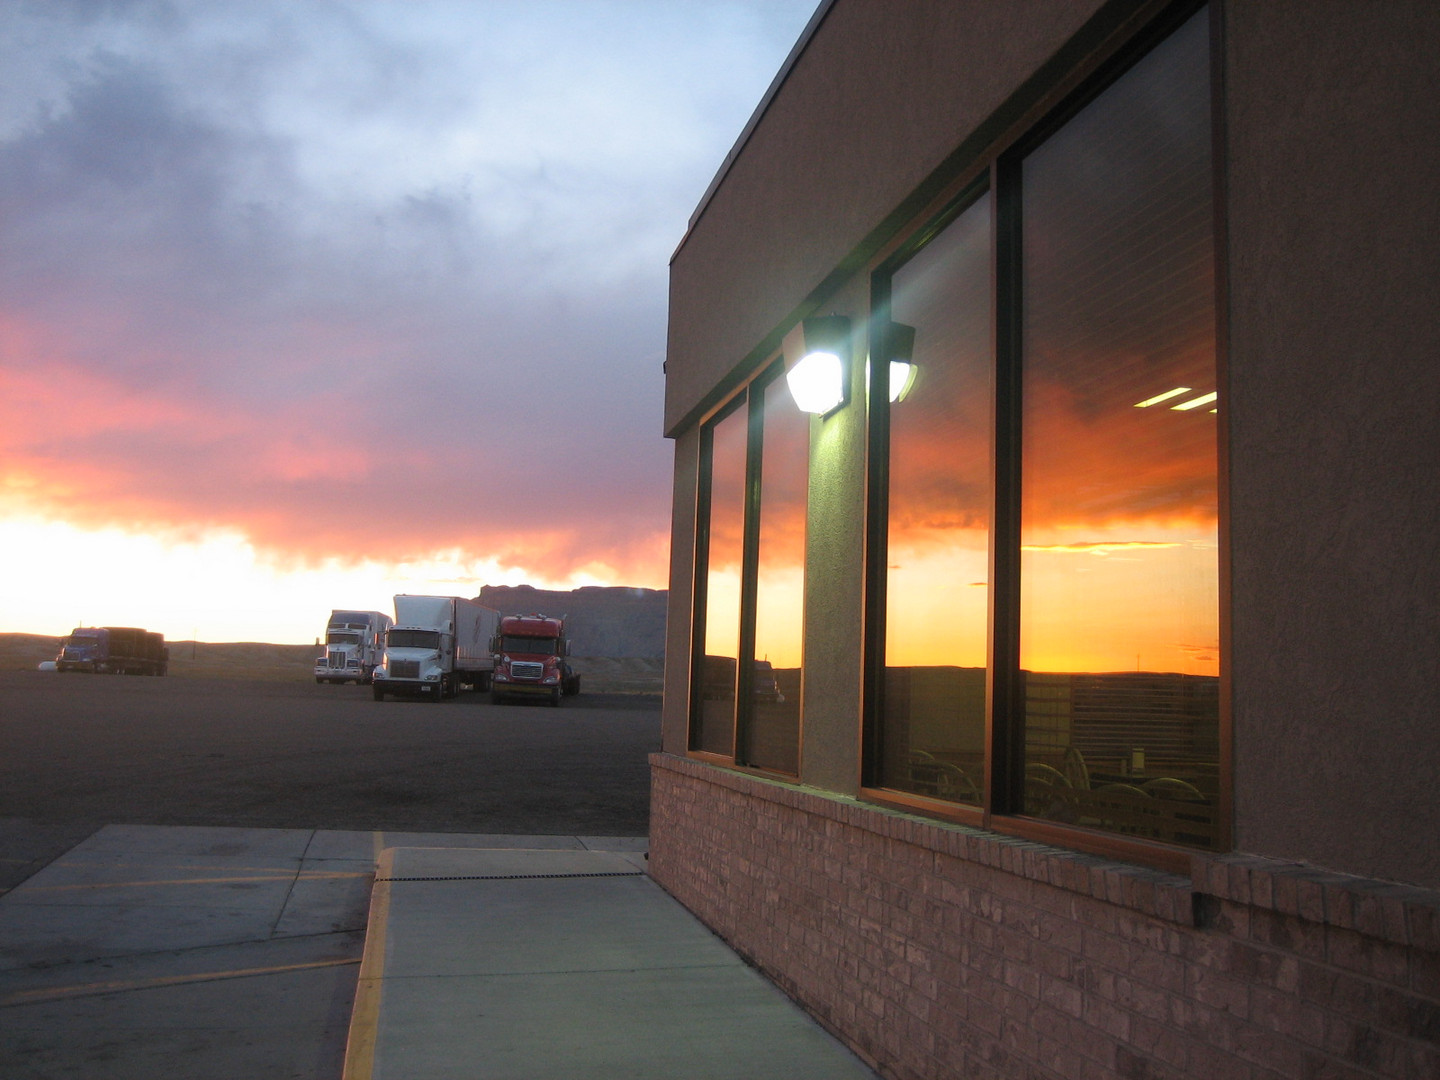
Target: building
<point>1056,697</point>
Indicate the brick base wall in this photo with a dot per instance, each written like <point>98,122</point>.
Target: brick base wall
<point>936,950</point>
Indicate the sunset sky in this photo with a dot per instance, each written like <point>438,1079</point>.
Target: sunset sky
<point>304,305</point>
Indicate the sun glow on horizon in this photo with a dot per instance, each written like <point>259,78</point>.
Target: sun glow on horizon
<point>217,586</point>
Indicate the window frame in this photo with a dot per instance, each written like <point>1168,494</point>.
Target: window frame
<point>997,170</point>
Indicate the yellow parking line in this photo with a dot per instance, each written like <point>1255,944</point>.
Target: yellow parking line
<point>365,1019</point>
<point>58,993</point>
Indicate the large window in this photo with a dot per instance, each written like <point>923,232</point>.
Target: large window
<point>754,469</point>
<point>1045,563</point>
<point>937,541</point>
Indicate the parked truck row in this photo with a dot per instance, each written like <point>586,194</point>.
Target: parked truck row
<point>437,645</point>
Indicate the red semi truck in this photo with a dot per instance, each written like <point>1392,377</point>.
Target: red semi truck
<point>531,659</point>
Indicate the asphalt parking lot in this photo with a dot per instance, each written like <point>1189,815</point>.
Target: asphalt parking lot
<point>78,752</point>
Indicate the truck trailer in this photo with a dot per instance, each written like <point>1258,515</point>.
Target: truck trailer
<point>531,660</point>
<point>436,645</point>
<point>354,646</point>
<point>113,650</point>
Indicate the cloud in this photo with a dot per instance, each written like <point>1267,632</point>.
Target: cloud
<point>359,281</point>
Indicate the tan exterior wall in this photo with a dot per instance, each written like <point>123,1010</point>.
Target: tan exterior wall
<point>1333,119</point>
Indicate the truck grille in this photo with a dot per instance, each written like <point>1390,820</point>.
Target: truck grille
<point>405,669</point>
<point>336,660</point>
<point>526,669</point>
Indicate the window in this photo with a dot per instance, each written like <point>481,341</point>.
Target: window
<point>937,542</point>
<point>754,469</point>
<point>1048,642</point>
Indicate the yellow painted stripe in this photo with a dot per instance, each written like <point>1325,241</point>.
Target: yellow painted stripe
<point>59,993</point>
<point>365,1019</point>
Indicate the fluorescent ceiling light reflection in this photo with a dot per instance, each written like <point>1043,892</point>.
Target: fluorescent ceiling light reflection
<point>817,382</point>
<point>1195,403</point>
<point>1158,398</point>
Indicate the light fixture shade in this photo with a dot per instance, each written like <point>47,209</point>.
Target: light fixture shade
<point>817,363</point>
<point>817,382</point>
<point>898,346</point>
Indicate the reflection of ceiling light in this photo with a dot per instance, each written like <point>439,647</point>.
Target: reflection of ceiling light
<point>1195,403</point>
<point>1162,397</point>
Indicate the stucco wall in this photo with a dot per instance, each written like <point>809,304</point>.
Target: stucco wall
<point>1333,123</point>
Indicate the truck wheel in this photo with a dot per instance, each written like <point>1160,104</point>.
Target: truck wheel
<point>379,694</point>
<point>555,698</point>
<point>495,697</point>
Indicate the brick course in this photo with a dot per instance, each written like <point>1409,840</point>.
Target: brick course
<point>937,950</point>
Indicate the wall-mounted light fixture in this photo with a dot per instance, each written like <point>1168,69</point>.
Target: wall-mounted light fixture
<point>817,363</point>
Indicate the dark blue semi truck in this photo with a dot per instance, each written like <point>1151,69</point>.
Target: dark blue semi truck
<point>113,650</point>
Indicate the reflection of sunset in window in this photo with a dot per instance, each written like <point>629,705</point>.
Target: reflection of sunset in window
<point>780,579</point>
<point>938,601</point>
<point>714,728</point>
<point>1136,599</point>
<point>1118,536</point>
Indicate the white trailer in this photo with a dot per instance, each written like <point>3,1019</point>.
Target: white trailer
<point>437,644</point>
<point>354,646</point>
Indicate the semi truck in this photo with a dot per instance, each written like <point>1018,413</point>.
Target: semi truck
<point>113,650</point>
<point>354,646</point>
<point>436,645</point>
<point>532,660</point>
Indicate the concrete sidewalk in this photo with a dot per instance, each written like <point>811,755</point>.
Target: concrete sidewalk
<point>571,965</point>
<point>214,954</point>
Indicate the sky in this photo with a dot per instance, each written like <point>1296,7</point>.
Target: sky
<point>303,305</point>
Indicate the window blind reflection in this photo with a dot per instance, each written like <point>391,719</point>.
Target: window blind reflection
<point>1119,555</point>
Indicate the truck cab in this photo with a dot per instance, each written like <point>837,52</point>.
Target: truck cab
<point>86,649</point>
<point>531,660</point>
<point>354,645</point>
<point>417,662</point>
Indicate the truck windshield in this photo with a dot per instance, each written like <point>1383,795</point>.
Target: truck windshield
<point>413,639</point>
<point>542,645</point>
<point>334,638</point>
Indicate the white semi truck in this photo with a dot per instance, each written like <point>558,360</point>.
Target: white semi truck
<point>354,646</point>
<point>437,644</point>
